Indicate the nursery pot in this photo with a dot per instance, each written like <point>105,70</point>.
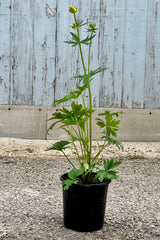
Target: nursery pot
<point>84,206</point>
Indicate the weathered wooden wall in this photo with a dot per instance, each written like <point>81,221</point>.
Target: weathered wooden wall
<point>36,65</point>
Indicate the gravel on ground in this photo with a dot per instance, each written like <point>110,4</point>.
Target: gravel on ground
<point>31,205</point>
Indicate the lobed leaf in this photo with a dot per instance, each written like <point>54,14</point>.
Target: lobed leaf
<point>78,24</point>
<point>101,175</point>
<point>74,173</point>
<point>59,146</point>
<point>87,77</point>
<point>71,135</point>
<point>71,95</point>
<point>74,41</point>
<point>87,40</point>
<point>100,123</point>
<point>111,176</point>
<point>110,164</point>
<point>105,174</point>
<point>67,183</point>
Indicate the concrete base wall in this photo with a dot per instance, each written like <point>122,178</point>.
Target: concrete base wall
<point>30,122</point>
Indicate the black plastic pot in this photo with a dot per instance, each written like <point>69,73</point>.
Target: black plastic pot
<point>84,206</point>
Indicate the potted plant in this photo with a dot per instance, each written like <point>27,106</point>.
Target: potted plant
<point>85,186</point>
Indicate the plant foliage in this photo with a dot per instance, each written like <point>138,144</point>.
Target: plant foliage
<point>77,120</point>
<point>72,178</point>
<point>107,173</point>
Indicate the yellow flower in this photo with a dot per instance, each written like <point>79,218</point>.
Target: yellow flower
<point>72,9</point>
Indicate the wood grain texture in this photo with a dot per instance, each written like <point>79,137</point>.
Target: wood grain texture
<point>36,65</point>
<point>4,51</point>
<point>43,72</point>
<point>152,65</point>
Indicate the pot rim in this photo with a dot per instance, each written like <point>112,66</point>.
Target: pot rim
<point>86,185</point>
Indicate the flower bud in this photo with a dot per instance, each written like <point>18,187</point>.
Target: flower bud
<point>72,9</point>
<point>92,25</point>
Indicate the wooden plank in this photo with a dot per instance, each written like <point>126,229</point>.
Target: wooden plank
<point>106,49</point>
<point>94,17</point>
<point>4,51</point>
<point>21,52</point>
<point>112,52</point>
<point>44,52</point>
<point>89,12</point>
<point>117,64</point>
<point>134,54</point>
<point>70,63</point>
<point>36,64</point>
<point>140,53</point>
<point>152,70</point>
<point>67,58</point>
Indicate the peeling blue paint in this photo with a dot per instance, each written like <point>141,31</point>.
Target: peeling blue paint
<point>36,65</point>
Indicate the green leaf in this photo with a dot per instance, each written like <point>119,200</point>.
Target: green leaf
<point>74,36</point>
<point>113,141</point>
<point>88,77</point>
<point>71,135</point>
<point>98,70</point>
<point>59,115</point>
<point>108,164</point>
<point>59,146</point>
<point>111,176</point>
<point>105,174</point>
<point>74,41</point>
<point>78,115</point>
<point>67,183</point>
<point>78,24</point>
<point>74,173</point>
<point>113,172</point>
<point>110,125</point>
<point>101,175</point>
<point>109,112</point>
<point>92,28</point>
<point>71,42</point>
<point>71,95</point>
<point>100,123</point>
<point>86,40</point>
<point>52,125</point>
<point>116,164</point>
<point>105,164</point>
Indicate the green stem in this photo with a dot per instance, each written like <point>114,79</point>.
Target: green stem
<point>90,101</point>
<point>79,134</point>
<point>89,54</point>
<point>90,120</point>
<point>99,137</point>
<point>77,152</point>
<point>84,69</point>
<point>80,49</point>
<point>74,156</point>
<point>73,144</point>
<point>99,152</point>
<point>68,160</point>
<point>81,141</point>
